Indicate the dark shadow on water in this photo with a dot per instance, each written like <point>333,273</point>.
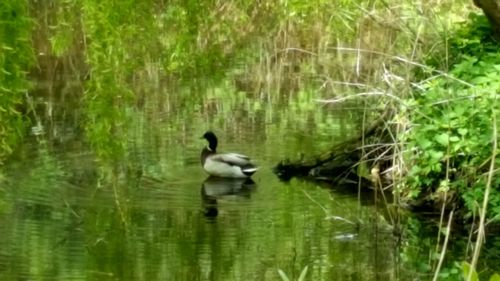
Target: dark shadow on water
<point>215,188</point>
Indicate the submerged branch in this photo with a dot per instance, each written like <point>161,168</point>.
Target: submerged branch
<point>338,161</point>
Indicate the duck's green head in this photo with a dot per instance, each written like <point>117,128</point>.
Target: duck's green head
<point>212,140</point>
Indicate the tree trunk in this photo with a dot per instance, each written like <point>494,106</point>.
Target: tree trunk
<point>491,9</point>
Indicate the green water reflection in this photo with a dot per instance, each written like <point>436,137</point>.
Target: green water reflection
<point>152,214</point>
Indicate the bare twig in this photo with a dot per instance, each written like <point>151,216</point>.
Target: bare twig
<point>445,245</point>
<point>401,59</point>
<point>482,215</point>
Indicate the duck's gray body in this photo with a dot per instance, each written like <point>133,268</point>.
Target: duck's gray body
<point>225,165</point>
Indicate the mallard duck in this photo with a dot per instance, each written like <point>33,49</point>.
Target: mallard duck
<point>226,165</point>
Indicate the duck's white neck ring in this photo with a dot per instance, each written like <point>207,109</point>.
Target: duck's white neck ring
<point>209,149</point>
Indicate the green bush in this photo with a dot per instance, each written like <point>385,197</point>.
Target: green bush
<point>16,57</point>
<point>451,140</point>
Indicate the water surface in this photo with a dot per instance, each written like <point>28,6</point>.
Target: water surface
<point>151,213</point>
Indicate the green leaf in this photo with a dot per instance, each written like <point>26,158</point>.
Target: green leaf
<point>442,139</point>
<point>424,143</point>
<point>436,155</point>
<point>481,80</point>
<point>462,131</point>
<point>465,271</point>
<point>283,275</point>
<point>303,274</point>
<point>495,277</point>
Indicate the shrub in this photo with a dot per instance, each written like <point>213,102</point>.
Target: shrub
<point>450,143</point>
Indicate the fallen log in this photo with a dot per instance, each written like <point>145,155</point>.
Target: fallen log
<point>338,165</point>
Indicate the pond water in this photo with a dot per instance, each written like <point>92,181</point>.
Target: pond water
<point>151,213</point>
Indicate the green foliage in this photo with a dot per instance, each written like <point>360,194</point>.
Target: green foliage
<point>107,96</point>
<point>302,276</point>
<point>16,57</point>
<point>64,32</point>
<point>495,277</point>
<point>123,40</point>
<point>5,205</point>
<point>453,126</point>
<point>474,38</point>
<point>466,268</point>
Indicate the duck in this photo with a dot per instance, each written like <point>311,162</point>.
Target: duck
<point>224,165</point>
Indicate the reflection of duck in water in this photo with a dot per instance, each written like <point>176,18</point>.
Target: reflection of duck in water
<point>214,188</point>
